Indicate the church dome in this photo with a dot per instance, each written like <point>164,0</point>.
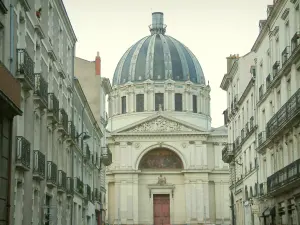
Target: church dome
<point>158,57</point>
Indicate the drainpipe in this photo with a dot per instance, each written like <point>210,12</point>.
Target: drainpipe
<point>11,14</point>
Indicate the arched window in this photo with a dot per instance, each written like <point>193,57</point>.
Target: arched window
<point>161,158</point>
<point>159,100</point>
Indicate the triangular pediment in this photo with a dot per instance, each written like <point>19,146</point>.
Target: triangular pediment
<point>159,124</point>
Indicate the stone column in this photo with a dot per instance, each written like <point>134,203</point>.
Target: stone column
<point>198,104</point>
<point>172,100</point>
<point>117,203</point>
<point>200,205</point>
<point>135,188</point>
<point>146,102</point>
<point>166,100</point>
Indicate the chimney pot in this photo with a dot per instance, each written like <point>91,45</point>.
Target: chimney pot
<point>98,65</point>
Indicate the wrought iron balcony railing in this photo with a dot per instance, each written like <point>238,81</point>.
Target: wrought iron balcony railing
<point>51,173</point>
<point>287,113</point>
<point>53,106</point>
<point>228,153</point>
<point>79,185</point>
<point>70,186</point>
<point>72,130</point>
<point>39,165</point>
<point>25,68</point>
<point>22,153</point>
<point>106,156</point>
<point>63,120</point>
<point>62,181</point>
<point>41,88</point>
<point>284,177</point>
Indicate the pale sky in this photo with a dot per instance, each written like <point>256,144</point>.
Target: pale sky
<point>211,29</point>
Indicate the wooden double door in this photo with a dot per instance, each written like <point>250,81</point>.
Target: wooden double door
<point>161,209</point>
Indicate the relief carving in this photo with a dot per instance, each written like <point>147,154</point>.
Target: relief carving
<point>160,124</point>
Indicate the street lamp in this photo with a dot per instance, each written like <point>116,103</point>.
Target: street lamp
<point>85,136</point>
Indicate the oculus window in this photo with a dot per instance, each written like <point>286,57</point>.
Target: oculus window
<point>140,103</point>
<point>123,100</point>
<point>195,103</point>
<point>178,102</point>
<point>159,100</point>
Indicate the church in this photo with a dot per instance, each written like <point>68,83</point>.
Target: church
<point>167,159</point>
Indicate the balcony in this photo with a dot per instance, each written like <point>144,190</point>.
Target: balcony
<point>51,174</point>
<point>284,179</point>
<point>63,121</point>
<point>79,186</point>
<point>268,81</point>
<point>228,153</point>
<point>295,41</point>
<point>25,69</point>
<point>276,69</point>
<point>41,90</point>
<point>86,151</point>
<point>285,115</point>
<point>39,165</point>
<point>70,187</point>
<point>261,92</point>
<point>22,153</point>
<point>106,156</point>
<point>62,181</point>
<point>285,54</point>
<point>53,107</point>
<point>226,120</point>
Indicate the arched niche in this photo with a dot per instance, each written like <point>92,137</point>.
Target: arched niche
<point>161,159</point>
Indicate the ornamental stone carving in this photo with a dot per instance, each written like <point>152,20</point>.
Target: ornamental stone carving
<point>160,124</point>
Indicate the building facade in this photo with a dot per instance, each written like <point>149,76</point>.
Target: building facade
<point>96,88</point>
<point>276,76</point>
<point>56,161</point>
<point>240,151</point>
<point>10,104</point>
<point>167,166</point>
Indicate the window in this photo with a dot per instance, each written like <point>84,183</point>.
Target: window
<point>195,104</point>
<point>159,100</point>
<point>140,102</point>
<point>123,99</point>
<point>1,42</point>
<point>178,102</point>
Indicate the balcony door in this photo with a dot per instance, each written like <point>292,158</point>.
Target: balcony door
<point>161,209</point>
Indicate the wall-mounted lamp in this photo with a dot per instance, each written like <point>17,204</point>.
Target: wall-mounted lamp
<point>85,136</point>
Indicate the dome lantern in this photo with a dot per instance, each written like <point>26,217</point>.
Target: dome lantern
<point>157,26</point>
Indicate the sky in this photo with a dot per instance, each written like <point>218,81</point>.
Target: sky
<point>212,30</point>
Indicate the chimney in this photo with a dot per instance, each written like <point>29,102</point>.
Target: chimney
<point>230,61</point>
<point>98,65</point>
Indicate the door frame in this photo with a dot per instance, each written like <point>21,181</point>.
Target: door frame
<point>162,191</point>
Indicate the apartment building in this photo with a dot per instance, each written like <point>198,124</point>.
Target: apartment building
<point>56,167</point>
<point>276,76</point>
<point>96,88</point>
<point>10,100</point>
<point>240,152</point>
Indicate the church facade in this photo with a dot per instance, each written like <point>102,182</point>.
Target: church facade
<point>167,159</point>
